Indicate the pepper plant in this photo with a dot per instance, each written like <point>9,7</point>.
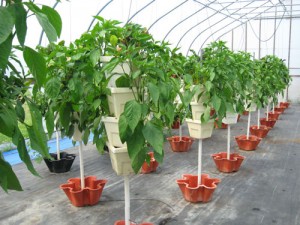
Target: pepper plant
<point>14,82</point>
<point>144,118</point>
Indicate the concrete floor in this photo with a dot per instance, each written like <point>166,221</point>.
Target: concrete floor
<point>264,191</point>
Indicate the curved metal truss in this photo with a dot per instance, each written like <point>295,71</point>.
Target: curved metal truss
<point>201,19</point>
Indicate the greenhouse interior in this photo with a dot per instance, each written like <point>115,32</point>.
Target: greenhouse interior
<point>142,112</point>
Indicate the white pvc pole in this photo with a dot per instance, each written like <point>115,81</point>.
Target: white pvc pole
<point>268,112</point>
<point>285,95</point>
<point>127,200</point>
<point>258,118</point>
<point>180,132</point>
<point>228,141</point>
<point>199,161</point>
<point>81,165</point>
<point>57,145</point>
<point>248,127</point>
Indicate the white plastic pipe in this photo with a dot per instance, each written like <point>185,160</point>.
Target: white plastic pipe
<point>258,118</point>
<point>81,166</point>
<point>57,145</point>
<point>180,132</point>
<point>267,112</point>
<point>228,141</point>
<point>248,127</point>
<point>127,200</point>
<point>199,161</point>
<point>285,95</point>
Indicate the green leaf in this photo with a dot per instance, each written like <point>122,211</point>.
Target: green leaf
<point>5,49</point>
<point>20,111</point>
<point>110,65</point>
<point>136,74</point>
<point>124,129</point>
<point>206,115</point>
<point>95,56</point>
<point>7,22</point>
<point>52,87</point>
<point>216,102</point>
<point>100,143</point>
<point>86,135</point>
<point>65,115</point>
<point>54,18</point>
<point>122,82</point>
<point>8,120</point>
<point>139,159</point>
<point>170,113</point>
<point>135,146</point>
<point>38,139</point>
<point>154,93</point>
<point>36,64</point>
<point>19,141</point>
<point>47,26</point>
<point>49,117</point>
<point>154,135</point>
<point>132,112</point>
<point>21,26</point>
<point>8,179</point>
<point>208,85</point>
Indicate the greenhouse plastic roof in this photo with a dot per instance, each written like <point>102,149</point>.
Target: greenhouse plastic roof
<point>189,24</point>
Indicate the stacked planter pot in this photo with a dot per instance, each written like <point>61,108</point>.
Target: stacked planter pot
<point>198,188</point>
<point>120,160</point>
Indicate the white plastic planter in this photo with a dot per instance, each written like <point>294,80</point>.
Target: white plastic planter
<point>120,160</point>
<point>118,99</point>
<point>231,118</point>
<point>118,71</point>
<point>197,110</point>
<point>112,131</point>
<point>200,130</point>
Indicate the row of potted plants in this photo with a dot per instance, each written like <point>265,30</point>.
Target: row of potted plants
<point>77,93</point>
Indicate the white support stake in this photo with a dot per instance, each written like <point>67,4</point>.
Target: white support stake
<point>81,166</point>
<point>248,127</point>
<point>57,145</point>
<point>199,161</point>
<point>127,200</point>
<point>285,95</point>
<point>228,141</point>
<point>258,118</point>
<point>180,132</point>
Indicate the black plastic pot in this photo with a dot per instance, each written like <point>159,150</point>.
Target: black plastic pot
<point>60,166</point>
